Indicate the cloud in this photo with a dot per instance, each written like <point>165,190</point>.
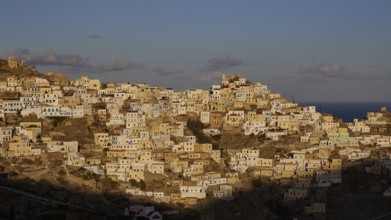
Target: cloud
<point>371,76</point>
<point>222,62</point>
<point>49,58</point>
<point>166,72</point>
<point>71,63</point>
<point>282,77</point>
<point>329,72</point>
<point>94,36</point>
<point>105,67</point>
<point>213,76</point>
<point>326,70</point>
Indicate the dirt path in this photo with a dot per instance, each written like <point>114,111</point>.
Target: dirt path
<point>35,174</point>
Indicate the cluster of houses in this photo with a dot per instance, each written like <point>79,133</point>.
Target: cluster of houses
<point>151,138</point>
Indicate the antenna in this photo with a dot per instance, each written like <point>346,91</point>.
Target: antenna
<point>293,99</point>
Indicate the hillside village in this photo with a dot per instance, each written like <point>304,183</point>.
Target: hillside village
<point>186,149</point>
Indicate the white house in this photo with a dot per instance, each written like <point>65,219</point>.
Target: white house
<point>198,192</point>
<point>224,192</point>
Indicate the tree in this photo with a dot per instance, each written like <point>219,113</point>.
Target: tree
<point>143,186</point>
<point>39,139</point>
<point>62,180</point>
<point>107,184</point>
<point>134,183</point>
<point>19,114</point>
<point>97,179</point>
<point>196,126</point>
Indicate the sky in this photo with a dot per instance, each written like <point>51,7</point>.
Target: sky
<point>312,50</point>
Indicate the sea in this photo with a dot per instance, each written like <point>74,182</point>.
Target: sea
<point>347,111</point>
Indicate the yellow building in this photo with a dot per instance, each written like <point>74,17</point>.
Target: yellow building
<point>202,147</point>
<point>16,149</point>
<point>328,118</point>
<point>136,172</point>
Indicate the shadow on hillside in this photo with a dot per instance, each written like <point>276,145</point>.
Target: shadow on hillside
<point>359,196</point>
<point>40,200</point>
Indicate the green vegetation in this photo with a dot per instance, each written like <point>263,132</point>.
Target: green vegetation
<point>44,182</point>
<point>57,120</point>
<point>109,184</point>
<point>85,187</point>
<point>62,180</point>
<point>140,184</point>
<point>143,186</point>
<point>27,161</point>
<point>196,126</point>
<point>134,183</point>
<point>84,173</point>
<point>61,172</point>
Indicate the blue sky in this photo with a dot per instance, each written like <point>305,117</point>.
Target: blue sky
<point>315,50</point>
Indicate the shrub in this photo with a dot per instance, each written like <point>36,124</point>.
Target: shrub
<point>196,126</point>
<point>27,161</point>
<point>62,180</point>
<point>57,120</point>
<point>134,183</point>
<point>61,172</point>
<point>109,184</point>
<point>44,182</point>
<point>143,186</point>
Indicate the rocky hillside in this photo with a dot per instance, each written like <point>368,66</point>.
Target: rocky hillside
<point>20,71</point>
<point>25,71</point>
